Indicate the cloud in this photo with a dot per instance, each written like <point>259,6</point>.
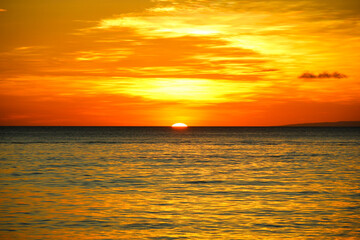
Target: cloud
<point>208,54</point>
<point>323,75</point>
<point>2,10</point>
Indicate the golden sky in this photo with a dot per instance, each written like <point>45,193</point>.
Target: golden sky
<point>157,62</point>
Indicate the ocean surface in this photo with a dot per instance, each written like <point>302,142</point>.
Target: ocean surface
<point>195,183</point>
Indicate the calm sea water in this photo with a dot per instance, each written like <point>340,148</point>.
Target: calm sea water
<point>196,183</point>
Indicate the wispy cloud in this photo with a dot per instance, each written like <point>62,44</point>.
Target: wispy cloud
<point>192,53</point>
<point>2,10</point>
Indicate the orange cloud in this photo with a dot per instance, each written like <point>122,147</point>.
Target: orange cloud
<point>205,62</point>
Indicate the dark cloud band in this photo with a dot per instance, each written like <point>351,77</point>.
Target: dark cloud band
<point>309,75</point>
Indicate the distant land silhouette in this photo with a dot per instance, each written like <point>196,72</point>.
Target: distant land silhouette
<point>327,124</point>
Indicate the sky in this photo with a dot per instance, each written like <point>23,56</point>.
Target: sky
<point>158,62</point>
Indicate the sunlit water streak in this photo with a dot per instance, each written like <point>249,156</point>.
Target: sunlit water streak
<point>195,183</point>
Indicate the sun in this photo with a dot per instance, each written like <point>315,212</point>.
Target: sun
<point>179,125</point>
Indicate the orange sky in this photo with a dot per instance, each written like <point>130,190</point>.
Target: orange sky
<point>157,62</point>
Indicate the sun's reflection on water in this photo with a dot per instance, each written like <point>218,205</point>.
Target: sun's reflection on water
<point>213,187</point>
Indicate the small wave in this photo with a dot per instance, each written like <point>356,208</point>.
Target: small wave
<point>266,225</point>
<point>203,182</point>
<point>304,193</point>
<point>147,225</point>
<point>101,142</point>
<point>260,183</point>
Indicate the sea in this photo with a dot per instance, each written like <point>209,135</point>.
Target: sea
<point>165,183</point>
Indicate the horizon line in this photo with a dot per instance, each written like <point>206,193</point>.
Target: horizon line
<point>315,124</point>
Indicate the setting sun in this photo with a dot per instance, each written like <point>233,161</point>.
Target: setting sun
<point>179,125</point>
